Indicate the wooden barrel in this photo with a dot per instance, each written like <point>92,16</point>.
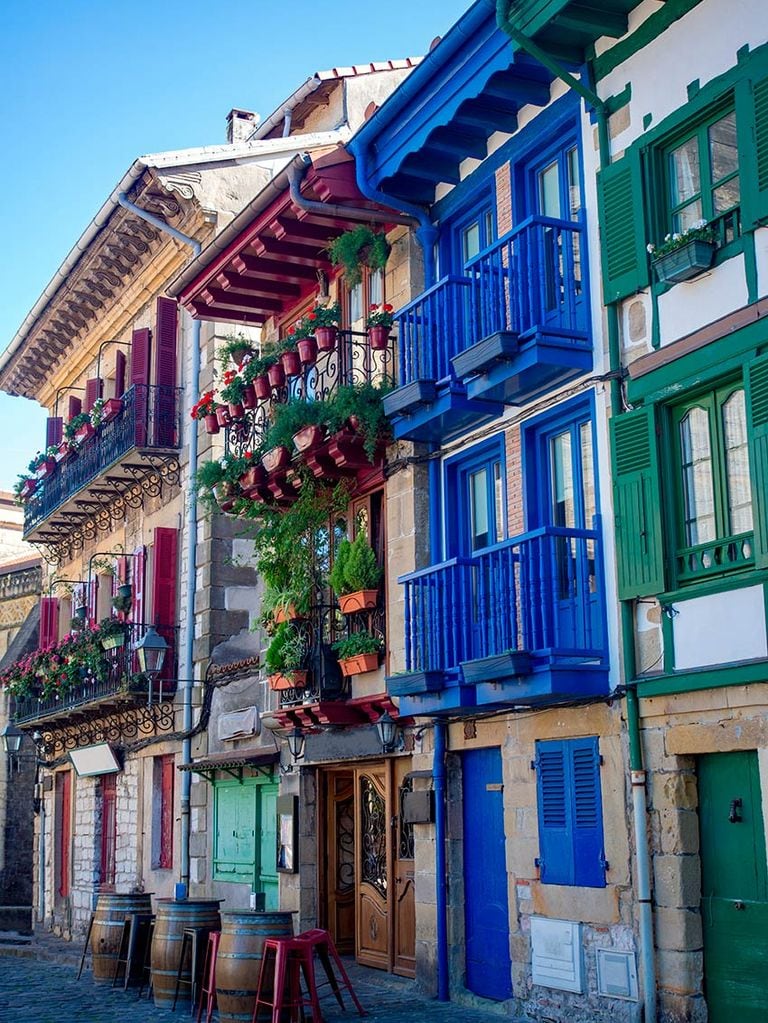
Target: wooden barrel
<point>171,919</point>
<point>108,920</point>
<point>238,961</point>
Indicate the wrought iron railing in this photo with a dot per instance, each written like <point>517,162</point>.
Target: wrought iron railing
<point>352,362</point>
<point>540,593</point>
<point>149,418</point>
<point>530,280</point>
<point>116,675</point>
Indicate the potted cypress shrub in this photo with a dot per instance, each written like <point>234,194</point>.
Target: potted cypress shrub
<point>359,653</point>
<point>355,575</point>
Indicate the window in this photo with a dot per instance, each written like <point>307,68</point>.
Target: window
<point>467,235</point>
<point>570,812</point>
<point>475,506</point>
<point>703,178</point>
<point>163,773</point>
<point>108,831</point>
<point>715,519</point>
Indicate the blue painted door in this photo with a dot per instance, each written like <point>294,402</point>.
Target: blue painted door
<point>486,902</point>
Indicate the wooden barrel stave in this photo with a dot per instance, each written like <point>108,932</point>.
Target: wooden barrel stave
<point>111,911</point>
<point>171,920</point>
<point>238,961</point>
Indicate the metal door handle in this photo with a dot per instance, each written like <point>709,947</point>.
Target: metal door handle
<point>734,812</point>
<point>738,904</point>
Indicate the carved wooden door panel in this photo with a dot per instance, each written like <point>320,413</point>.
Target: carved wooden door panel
<point>340,869</point>
<point>373,856</point>
<point>403,895</point>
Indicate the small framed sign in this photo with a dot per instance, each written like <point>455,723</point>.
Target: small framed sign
<point>287,834</point>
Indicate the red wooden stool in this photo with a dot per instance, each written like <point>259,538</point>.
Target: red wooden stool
<point>208,985</point>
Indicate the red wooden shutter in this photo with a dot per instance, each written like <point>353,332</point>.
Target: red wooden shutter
<point>93,390</point>
<point>93,600</point>
<point>140,352</point>
<point>164,572</point>
<point>54,431</point>
<point>108,829</point>
<point>74,407</point>
<point>65,830</point>
<point>168,770</point>
<point>166,327</point>
<point>120,363</point>
<point>49,622</point>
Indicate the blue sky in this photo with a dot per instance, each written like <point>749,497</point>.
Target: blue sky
<point>88,86</point>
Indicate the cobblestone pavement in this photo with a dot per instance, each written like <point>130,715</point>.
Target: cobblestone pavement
<point>39,986</point>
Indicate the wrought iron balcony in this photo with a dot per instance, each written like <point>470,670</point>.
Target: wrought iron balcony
<point>129,455</point>
<point>521,621</point>
<point>114,684</point>
<point>513,326</point>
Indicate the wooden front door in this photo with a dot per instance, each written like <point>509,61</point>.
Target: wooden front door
<point>404,895</point>
<point>340,859</point>
<point>373,858</point>
<point>734,887</point>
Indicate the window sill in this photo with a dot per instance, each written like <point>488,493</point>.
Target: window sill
<point>731,580</point>
<point>720,255</point>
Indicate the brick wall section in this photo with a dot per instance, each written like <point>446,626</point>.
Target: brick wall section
<point>514,471</point>
<point>503,200</point>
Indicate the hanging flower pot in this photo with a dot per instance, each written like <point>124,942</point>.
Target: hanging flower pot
<point>211,423</point>
<point>239,353</point>
<point>124,590</point>
<point>236,410</point>
<point>276,375</point>
<point>249,396</point>
<point>252,479</point>
<point>79,613</point>
<point>276,459</point>
<point>378,338</point>
<point>308,438</point>
<point>291,363</point>
<point>326,338</point>
<point>223,416</point>
<point>290,680</point>
<point>262,386</point>
<point>113,640</point>
<point>361,600</point>
<point>307,348</point>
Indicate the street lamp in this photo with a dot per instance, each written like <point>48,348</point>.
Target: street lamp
<point>386,726</point>
<point>295,739</point>
<point>12,737</point>
<point>150,653</point>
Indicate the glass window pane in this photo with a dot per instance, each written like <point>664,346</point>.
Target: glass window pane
<point>588,475</point>
<point>478,509</point>
<point>726,196</point>
<point>563,510</point>
<point>737,464</point>
<point>574,185</point>
<point>499,502</point>
<point>685,173</point>
<point>376,287</point>
<point>687,216</point>
<point>488,229</point>
<point>355,305</point>
<point>723,151</point>
<point>699,507</point>
<point>471,241</point>
<point>549,191</point>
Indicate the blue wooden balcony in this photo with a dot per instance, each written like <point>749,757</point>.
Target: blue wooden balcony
<point>128,455</point>
<point>522,622</point>
<point>513,327</point>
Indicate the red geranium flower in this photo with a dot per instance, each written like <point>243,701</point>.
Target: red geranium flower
<point>291,331</point>
<point>311,316</point>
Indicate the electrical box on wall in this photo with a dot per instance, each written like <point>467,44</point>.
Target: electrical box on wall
<point>616,974</point>
<point>556,954</point>
<point>419,807</point>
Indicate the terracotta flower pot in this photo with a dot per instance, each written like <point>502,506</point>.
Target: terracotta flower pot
<point>211,423</point>
<point>290,680</point>
<point>360,664</point>
<point>361,600</point>
<point>326,338</point>
<point>307,349</point>
<point>253,477</point>
<point>85,431</point>
<point>291,363</point>
<point>111,408</point>
<point>286,614</point>
<point>28,489</point>
<point>309,438</point>
<point>223,416</point>
<point>378,338</point>
<point>277,458</point>
<point>236,410</point>
<point>262,386</point>
<point>249,396</point>
<point>276,375</point>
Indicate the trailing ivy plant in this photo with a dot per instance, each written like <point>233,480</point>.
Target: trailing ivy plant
<point>359,247</point>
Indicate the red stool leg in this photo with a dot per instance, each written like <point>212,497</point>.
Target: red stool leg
<point>213,945</point>
<point>281,970</point>
<point>268,953</point>
<point>331,950</point>
<point>306,953</point>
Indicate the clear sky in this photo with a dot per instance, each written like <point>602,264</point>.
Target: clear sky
<point>86,86</point>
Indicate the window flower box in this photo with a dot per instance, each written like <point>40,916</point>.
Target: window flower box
<point>685,262</point>
<point>276,459</point>
<point>84,432</point>
<point>361,600</point>
<point>360,664</point>
<point>112,406</point>
<point>280,681</point>
<point>309,438</point>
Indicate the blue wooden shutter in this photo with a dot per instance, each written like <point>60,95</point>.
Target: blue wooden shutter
<point>622,227</point>
<point>587,813</point>
<point>756,377</point>
<point>637,504</point>
<point>555,837</point>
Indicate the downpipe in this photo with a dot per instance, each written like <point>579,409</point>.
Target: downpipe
<point>441,873</point>
<point>190,525</point>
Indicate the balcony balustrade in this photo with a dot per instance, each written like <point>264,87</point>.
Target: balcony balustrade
<point>132,443</point>
<point>521,621</point>
<point>513,326</point>
<point>113,684</point>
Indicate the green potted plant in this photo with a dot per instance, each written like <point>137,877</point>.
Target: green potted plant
<point>285,658</point>
<point>359,653</point>
<point>684,254</point>
<point>379,325</point>
<point>237,393</point>
<point>79,428</point>
<point>236,347</point>
<point>359,247</point>
<point>112,633</point>
<point>256,371</point>
<point>359,407</point>
<point>356,575</point>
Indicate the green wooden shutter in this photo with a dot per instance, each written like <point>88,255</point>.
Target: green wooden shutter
<point>756,374</point>
<point>226,829</point>
<point>622,227</point>
<point>637,504</point>
<point>752,135</point>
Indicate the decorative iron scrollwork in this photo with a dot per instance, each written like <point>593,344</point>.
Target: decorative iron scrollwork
<point>113,727</point>
<point>373,836</point>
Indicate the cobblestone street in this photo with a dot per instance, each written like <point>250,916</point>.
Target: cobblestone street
<point>39,986</point>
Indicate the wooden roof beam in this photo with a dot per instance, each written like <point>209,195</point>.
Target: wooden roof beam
<point>202,311</point>
<point>233,282</point>
<point>254,266</point>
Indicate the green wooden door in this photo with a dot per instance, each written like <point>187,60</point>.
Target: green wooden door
<point>734,905</point>
<point>267,880</point>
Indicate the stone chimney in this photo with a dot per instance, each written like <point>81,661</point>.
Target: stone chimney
<point>240,124</point>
